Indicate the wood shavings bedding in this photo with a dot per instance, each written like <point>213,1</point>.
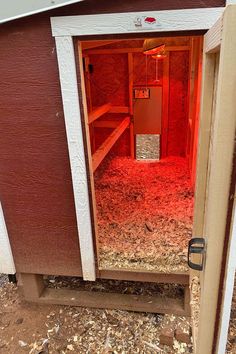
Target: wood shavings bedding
<point>144,214</point>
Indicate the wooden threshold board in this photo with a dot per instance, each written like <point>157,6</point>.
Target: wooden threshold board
<point>144,276</point>
<point>139,303</point>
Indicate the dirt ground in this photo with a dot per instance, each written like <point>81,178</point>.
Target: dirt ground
<point>41,329</point>
<point>48,329</point>
<point>144,213</point>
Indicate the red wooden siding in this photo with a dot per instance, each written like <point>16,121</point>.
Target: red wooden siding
<point>35,181</point>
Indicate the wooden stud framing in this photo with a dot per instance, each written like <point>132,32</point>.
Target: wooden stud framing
<point>133,50</point>
<point>98,112</point>
<point>145,276</point>
<point>95,44</point>
<point>119,109</point>
<point>165,106</point>
<point>131,82</point>
<point>87,82</point>
<point>106,123</point>
<point>196,112</point>
<point>34,290</point>
<point>194,103</point>
<point>102,151</point>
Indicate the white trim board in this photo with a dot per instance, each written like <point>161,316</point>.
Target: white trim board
<point>134,22</point>
<point>71,106</point>
<point>7,265</point>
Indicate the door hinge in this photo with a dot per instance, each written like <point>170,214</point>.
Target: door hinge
<point>196,245</point>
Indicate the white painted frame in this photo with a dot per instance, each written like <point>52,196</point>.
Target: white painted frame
<point>63,29</point>
<point>7,265</point>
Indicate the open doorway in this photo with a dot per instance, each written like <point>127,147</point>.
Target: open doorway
<point>142,97</point>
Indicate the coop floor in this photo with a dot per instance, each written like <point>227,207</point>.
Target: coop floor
<point>144,214</point>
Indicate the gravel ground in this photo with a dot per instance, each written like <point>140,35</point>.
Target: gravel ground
<point>3,279</point>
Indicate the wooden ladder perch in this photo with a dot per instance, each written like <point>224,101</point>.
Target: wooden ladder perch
<point>102,151</point>
<point>98,112</point>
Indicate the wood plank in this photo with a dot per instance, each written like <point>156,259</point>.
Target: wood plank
<point>145,276</point>
<point>119,109</point>
<point>197,113</point>
<point>106,123</point>
<point>72,116</point>
<point>133,50</point>
<point>194,103</point>
<point>102,151</point>
<point>33,285</point>
<point>131,82</point>
<point>93,44</point>
<point>98,112</point>
<point>213,37</point>
<point>87,81</point>
<point>118,23</point>
<point>165,107</point>
<point>88,84</point>
<point>207,94</point>
<point>218,191</point>
<point>139,303</point>
<point>90,253</point>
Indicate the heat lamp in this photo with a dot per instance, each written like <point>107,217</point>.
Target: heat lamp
<point>152,46</point>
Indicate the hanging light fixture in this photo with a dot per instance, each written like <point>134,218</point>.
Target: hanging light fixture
<point>152,46</point>
<point>161,55</point>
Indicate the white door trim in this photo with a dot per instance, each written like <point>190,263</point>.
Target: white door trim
<point>64,28</point>
<point>71,106</point>
<point>134,22</point>
<point>7,265</point>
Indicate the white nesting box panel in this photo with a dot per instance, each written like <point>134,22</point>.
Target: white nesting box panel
<point>7,265</point>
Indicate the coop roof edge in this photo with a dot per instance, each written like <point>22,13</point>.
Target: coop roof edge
<point>24,8</point>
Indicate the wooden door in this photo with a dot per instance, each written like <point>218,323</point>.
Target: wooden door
<point>214,170</point>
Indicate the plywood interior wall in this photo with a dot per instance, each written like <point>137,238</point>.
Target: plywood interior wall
<point>178,103</point>
<point>109,80</point>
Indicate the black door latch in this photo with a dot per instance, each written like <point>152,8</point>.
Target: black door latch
<point>196,246</point>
